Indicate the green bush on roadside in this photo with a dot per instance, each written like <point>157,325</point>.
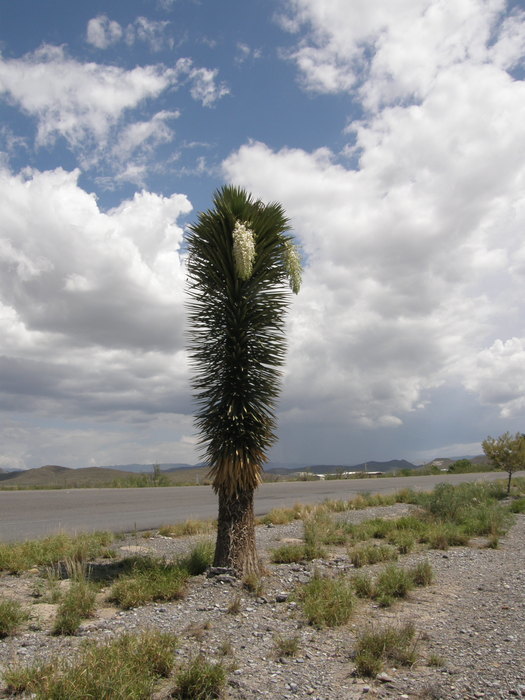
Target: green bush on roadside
<point>199,679</point>
<point>327,602</point>
<point>126,668</point>
<point>12,615</point>
<point>77,604</point>
<point>20,556</point>
<point>397,644</point>
<point>150,580</point>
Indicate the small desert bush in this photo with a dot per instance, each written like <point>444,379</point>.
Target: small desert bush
<point>199,558</point>
<point>225,648</point>
<point>303,510</point>
<point>321,529</point>
<point>150,580</point>
<point>369,500</point>
<point>518,506</point>
<point>126,668</point>
<point>253,584</point>
<point>492,542</point>
<point>286,646</point>
<point>77,604</point>
<point>487,519</point>
<point>442,535</point>
<point>288,553</point>
<point>412,524</point>
<point>47,589</point>
<point>235,605</point>
<point>278,516</point>
<point>422,573</point>
<point>12,615</point>
<point>363,585</point>
<point>404,541</point>
<point>406,496</point>
<point>369,553</point>
<point>473,508</point>
<point>327,602</point>
<point>396,644</point>
<point>336,505</point>
<point>188,527</point>
<point>199,679</point>
<point>393,582</point>
<point>315,528</point>
<point>314,531</point>
<point>20,556</point>
<point>435,660</point>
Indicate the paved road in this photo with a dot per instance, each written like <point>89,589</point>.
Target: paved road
<point>30,514</point>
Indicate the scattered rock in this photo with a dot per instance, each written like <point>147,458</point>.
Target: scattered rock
<point>384,677</point>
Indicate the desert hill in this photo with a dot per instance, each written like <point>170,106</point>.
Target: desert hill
<point>52,475</point>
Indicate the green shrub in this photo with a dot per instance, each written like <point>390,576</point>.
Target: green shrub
<point>397,644</point>
<point>444,535</point>
<point>253,584</point>
<point>235,605</point>
<point>150,580</point>
<point>461,504</point>
<point>363,585</point>
<point>315,530</point>
<point>422,574</point>
<point>126,668</point>
<point>436,660</point>
<point>409,523</point>
<point>364,554</point>
<point>406,496</point>
<point>289,553</point>
<point>379,528</point>
<point>486,519</point>
<point>518,506</point>
<point>199,559</point>
<point>336,505</point>
<point>77,604</point>
<point>12,615</point>
<point>393,582</point>
<point>188,527</point>
<point>278,516</point>
<point>199,680</point>
<point>327,602</point>
<point>403,540</point>
<point>20,556</point>
<point>286,646</point>
<point>367,664</point>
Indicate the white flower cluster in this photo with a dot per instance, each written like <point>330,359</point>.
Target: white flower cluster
<point>243,249</point>
<point>293,266</point>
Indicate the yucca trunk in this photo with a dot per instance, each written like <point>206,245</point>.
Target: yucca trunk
<point>235,546</point>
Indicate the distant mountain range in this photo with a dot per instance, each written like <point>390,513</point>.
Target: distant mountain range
<point>54,476</point>
<point>141,468</point>
<point>271,467</point>
<point>277,468</point>
<point>372,466</point>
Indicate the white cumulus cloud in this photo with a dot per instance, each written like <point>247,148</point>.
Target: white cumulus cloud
<point>414,255</point>
<point>77,100</point>
<point>103,32</point>
<point>91,302</point>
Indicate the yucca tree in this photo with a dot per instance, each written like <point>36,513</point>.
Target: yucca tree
<point>241,265</point>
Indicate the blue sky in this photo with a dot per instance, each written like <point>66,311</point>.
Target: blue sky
<point>393,134</point>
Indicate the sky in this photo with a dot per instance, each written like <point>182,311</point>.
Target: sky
<point>391,131</point>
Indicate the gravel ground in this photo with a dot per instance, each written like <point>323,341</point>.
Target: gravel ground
<point>473,617</point>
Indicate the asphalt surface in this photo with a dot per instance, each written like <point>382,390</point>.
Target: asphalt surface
<point>30,514</point>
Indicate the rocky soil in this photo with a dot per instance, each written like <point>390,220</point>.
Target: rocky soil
<point>472,617</point>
